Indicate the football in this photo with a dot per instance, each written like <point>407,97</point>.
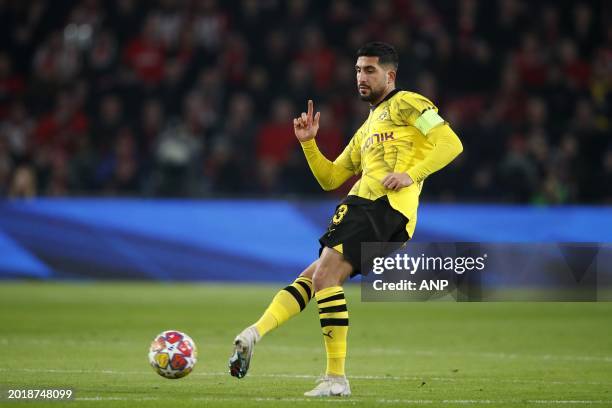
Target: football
<point>172,354</point>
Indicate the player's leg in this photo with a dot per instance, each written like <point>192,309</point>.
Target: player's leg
<point>331,272</point>
<point>287,303</point>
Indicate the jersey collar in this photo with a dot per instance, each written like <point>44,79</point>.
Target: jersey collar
<point>389,96</point>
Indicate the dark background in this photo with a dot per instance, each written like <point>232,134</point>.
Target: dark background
<point>181,98</point>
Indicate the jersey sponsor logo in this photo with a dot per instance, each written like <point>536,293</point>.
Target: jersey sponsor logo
<point>378,138</point>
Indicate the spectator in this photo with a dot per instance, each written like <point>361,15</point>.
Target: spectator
<point>317,57</point>
<point>275,142</point>
<point>24,183</point>
<point>62,126</point>
<point>109,119</point>
<point>6,167</point>
<point>179,150</point>
<point>17,130</point>
<point>125,177</point>
<point>145,54</point>
<point>151,124</point>
<point>12,84</point>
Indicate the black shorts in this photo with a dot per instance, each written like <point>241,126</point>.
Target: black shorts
<point>358,220</point>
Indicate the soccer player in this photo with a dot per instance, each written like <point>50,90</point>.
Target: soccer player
<point>402,141</point>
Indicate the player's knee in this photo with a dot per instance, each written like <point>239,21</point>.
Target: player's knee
<point>331,270</point>
<point>325,275</point>
<point>320,279</point>
<point>310,270</point>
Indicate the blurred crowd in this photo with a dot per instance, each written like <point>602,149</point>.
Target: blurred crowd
<point>193,98</point>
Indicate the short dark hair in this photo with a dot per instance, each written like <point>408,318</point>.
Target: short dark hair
<point>385,52</point>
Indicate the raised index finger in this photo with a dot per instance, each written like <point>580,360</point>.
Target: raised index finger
<point>310,109</point>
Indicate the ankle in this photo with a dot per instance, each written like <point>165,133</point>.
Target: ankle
<point>255,332</point>
<point>335,376</point>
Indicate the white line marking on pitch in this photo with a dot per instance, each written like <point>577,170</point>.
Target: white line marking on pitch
<point>357,400</point>
<point>383,351</point>
<point>311,376</point>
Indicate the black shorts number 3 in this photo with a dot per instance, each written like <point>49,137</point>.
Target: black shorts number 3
<point>340,213</point>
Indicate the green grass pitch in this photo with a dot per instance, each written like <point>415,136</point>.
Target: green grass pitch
<point>93,337</point>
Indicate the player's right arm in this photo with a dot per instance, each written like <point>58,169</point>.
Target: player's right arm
<point>330,175</point>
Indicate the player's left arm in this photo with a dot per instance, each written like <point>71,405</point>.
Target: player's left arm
<point>446,147</point>
<point>445,142</point>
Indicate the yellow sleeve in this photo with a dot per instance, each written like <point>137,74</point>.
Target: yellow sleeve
<point>446,146</point>
<point>331,175</point>
<point>412,109</point>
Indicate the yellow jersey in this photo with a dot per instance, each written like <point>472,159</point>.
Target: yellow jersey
<point>404,134</point>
